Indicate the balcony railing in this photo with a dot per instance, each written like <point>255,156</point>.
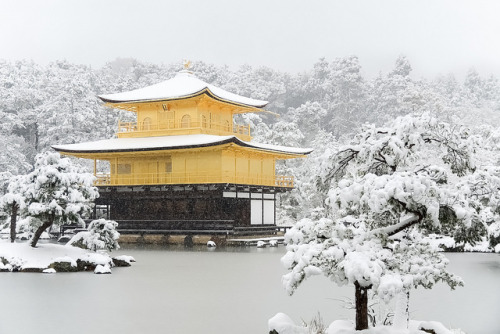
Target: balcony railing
<point>172,127</point>
<point>103,179</point>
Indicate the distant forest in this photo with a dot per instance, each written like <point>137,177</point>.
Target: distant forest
<point>56,104</point>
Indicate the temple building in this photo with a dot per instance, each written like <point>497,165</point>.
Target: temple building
<point>184,164</point>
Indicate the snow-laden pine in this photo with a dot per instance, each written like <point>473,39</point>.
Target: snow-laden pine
<point>388,189</point>
<point>12,202</point>
<point>56,192</point>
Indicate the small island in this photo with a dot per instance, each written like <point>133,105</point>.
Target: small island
<point>51,258</point>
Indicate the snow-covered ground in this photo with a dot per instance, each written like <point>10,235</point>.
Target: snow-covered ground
<point>20,256</point>
<point>446,243</point>
<point>283,324</point>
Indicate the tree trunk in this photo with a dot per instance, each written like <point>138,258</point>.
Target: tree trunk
<point>40,230</point>
<point>361,306</point>
<point>36,137</point>
<point>13,221</point>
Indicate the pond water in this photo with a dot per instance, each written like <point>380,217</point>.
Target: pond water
<point>234,290</point>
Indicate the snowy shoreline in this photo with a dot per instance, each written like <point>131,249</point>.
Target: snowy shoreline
<point>448,245</point>
<point>52,258</point>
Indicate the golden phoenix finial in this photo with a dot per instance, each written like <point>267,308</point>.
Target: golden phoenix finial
<point>187,64</point>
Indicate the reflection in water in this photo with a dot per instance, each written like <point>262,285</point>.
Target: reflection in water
<point>233,290</point>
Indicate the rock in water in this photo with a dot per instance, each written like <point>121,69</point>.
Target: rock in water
<point>100,269</point>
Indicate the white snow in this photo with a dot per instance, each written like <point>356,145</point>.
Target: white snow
<point>24,256</point>
<point>437,327</point>
<point>102,269</point>
<point>390,286</point>
<point>340,327</point>
<point>283,324</point>
<point>42,256</point>
<point>49,271</point>
<point>183,85</point>
<point>168,143</point>
<point>96,258</point>
<point>211,244</point>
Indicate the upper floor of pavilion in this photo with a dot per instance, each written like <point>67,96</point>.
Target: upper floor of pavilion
<point>183,105</point>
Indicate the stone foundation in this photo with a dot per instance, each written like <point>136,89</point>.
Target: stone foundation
<point>184,239</point>
<point>156,239</point>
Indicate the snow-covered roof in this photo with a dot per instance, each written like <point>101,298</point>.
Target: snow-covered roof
<point>170,143</point>
<point>183,85</point>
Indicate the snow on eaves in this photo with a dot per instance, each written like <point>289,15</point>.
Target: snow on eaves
<point>183,85</point>
<point>170,143</point>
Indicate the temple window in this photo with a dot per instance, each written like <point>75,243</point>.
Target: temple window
<point>168,164</point>
<point>146,124</point>
<point>124,168</point>
<point>186,121</point>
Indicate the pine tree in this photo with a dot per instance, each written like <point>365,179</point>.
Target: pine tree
<point>387,189</point>
<point>12,202</point>
<point>56,192</point>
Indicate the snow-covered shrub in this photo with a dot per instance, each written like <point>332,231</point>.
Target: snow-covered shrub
<point>101,234</point>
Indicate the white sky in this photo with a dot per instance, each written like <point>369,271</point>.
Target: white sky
<point>438,36</point>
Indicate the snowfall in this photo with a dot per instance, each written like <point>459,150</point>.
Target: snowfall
<point>20,256</point>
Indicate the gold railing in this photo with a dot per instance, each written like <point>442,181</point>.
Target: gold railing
<point>171,127</point>
<point>103,179</point>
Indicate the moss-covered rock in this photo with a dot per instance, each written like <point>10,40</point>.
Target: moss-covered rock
<point>83,265</point>
<point>5,266</point>
<point>32,270</point>
<point>63,266</point>
<point>120,263</point>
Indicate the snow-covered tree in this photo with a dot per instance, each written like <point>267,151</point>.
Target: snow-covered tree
<point>12,202</point>
<point>309,117</point>
<point>56,192</point>
<point>100,234</point>
<point>388,188</point>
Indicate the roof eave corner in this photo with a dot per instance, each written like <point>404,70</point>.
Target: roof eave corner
<point>105,100</point>
<point>57,149</point>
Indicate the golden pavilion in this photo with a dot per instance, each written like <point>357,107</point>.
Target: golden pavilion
<point>184,164</point>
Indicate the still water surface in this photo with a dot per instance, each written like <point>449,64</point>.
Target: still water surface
<point>233,290</point>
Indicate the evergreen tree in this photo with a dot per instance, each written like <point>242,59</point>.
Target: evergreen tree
<point>56,192</point>
<point>387,189</point>
<point>12,202</point>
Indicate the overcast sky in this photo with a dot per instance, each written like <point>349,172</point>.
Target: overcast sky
<point>438,36</point>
